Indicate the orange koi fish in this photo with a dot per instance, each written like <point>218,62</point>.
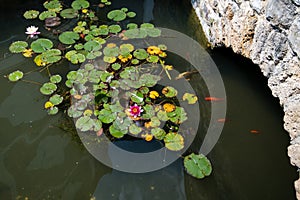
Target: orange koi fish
<point>222,120</point>
<point>213,99</point>
<point>255,131</point>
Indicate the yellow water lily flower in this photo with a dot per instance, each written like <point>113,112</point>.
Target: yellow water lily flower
<point>125,59</point>
<point>148,137</point>
<point>153,50</point>
<point>84,11</point>
<point>168,107</point>
<point>163,54</point>
<point>153,94</point>
<point>48,105</point>
<point>38,61</point>
<point>147,124</point>
<point>88,112</point>
<point>27,53</point>
<point>168,67</point>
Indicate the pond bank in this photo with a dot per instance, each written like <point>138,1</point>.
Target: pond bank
<point>267,32</point>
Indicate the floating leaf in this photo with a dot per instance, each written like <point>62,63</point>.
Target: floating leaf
<point>55,78</point>
<point>131,14</point>
<point>147,25</point>
<point>53,111</point>
<point>51,56</point>
<point>48,88</point>
<point>68,37</point>
<point>124,9</point>
<point>75,57</point>
<point>116,66</point>
<point>73,112</point>
<point>56,99</point>
<point>69,13</point>
<point>155,122</point>
<point>132,26</point>
<point>106,116</point>
<point>115,132</point>
<point>92,46</point>
<point>47,14</point>
<point>135,33</point>
<point>137,97</point>
<point>31,14</point>
<point>158,133</point>
<point>169,91</point>
<point>149,80</point>
<point>114,28</point>
<point>15,76</point>
<point>18,46</point>
<point>80,4</point>
<point>116,15</point>
<point>109,59</point>
<point>84,123</point>
<point>53,5</point>
<point>162,115</point>
<point>174,141</point>
<point>38,61</point>
<point>140,54</point>
<point>41,45</point>
<point>93,55</point>
<point>197,165</point>
<point>111,51</point>
<point>191,98</point>
<point>135,61</point>
<point>134,129</point>
<point>153,59</point>
<point>178,116</point>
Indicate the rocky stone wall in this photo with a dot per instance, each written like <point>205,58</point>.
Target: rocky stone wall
<point>267,32</point>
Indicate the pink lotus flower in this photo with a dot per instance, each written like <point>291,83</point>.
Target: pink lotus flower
<point>32,31</point>
<point>135,110</point>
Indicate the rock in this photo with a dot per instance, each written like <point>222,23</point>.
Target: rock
<point>267,32</point>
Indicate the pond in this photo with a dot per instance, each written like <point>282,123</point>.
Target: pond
<point>41,157</point>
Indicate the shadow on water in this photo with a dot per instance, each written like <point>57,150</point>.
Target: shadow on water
<point>39,160</point>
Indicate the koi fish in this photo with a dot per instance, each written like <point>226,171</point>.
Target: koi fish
<point>213,99</point>
<point>186,75</point>
<point>222,120</point>
<point>255,131</point>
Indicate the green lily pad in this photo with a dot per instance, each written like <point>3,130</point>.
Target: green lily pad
<point>149,80</point>
<point>137,97</point>
<point>153,59</point>
<point>197,165</point>
<point>191,98</point>
<point>18,46</point>
<point>48,88</point>
<point>174,141</point>
<point>111,51</point>
<point>116,66</point>
<point>53,5</point>
<point>55,78</point>
<point>134,129</point>
<point>135,33</point>
<point>15,76</point>
<point>84,123</point>
<point>31,14</point>
<point>41,45</point>
<point>103,30</point>
<point>51,56</point>
<point>132,26</point>
<point>162,115</point>
<point>131,14</point>
<point>140,54</point>
<point>115,132</point>
<point>124,9</point>
<point>92,46</point>
<point>109,59</point>
<point>69,13</point>
<point>79,4</point>
<point>106,116</point>
<point>116,15</point>
<point>155,122</point>
<point>169,91</point>
<point>56,99</point>
<point>147,25</point>
<point>53,110</point>
<point>93,54</point>
<point>73,112</point>
<point>78,46</point>
<point>68,37</point>
<point>114,29</point>
<point>75,57</point>
<point>135,61</point>
<point>152,32</point>
<point>158,133</point>
<point>47,14</point>
<point>178,116</point>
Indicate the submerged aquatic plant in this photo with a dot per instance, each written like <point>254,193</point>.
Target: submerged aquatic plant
<point>126,74</point>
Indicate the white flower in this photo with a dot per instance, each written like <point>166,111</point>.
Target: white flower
<point>32,31</point>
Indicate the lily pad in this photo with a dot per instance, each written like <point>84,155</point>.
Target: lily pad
<point>79,4</point>
<point>158,133</point>
<point>51,56</point>
<point>47,14</point>
<point>116,15</point>
<point>197,165</point>
<point>68,37</point>
<point>131,14</point>
<point>174,141</point>
<point>114,28</point>
<point>137,97</point>
<point>69,13</point>
<point>41,45</point>
<point>169,91</point>
<point>134,129</point>
<point>115,132</point>
<point>116,66</point>
<point>106,116</point>
<point>132,26</point>
<point>92,46</point>
<point>149,80</point>
<point>53,111</point>
<point>75,57</point>
<point>18,46</point>
<point>191,98</point>
<point>162,115</point>
<point>31,14</point>
<point>84,123</point>
<point>48,88</point>
<point>15,76</point>
<point>55,78</point>
<point>53,5</point>
<point>56,99</point>
<point>140,54</point>
<point>153,59</point>
<point>109,59</point>
<point>111,51</point>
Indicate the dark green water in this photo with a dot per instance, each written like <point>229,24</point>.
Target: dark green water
<point>40,161</point>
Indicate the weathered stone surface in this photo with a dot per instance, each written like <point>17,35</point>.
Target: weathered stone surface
<point>267,32</point>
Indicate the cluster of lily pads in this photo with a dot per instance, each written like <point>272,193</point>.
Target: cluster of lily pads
<point>116,92</point>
